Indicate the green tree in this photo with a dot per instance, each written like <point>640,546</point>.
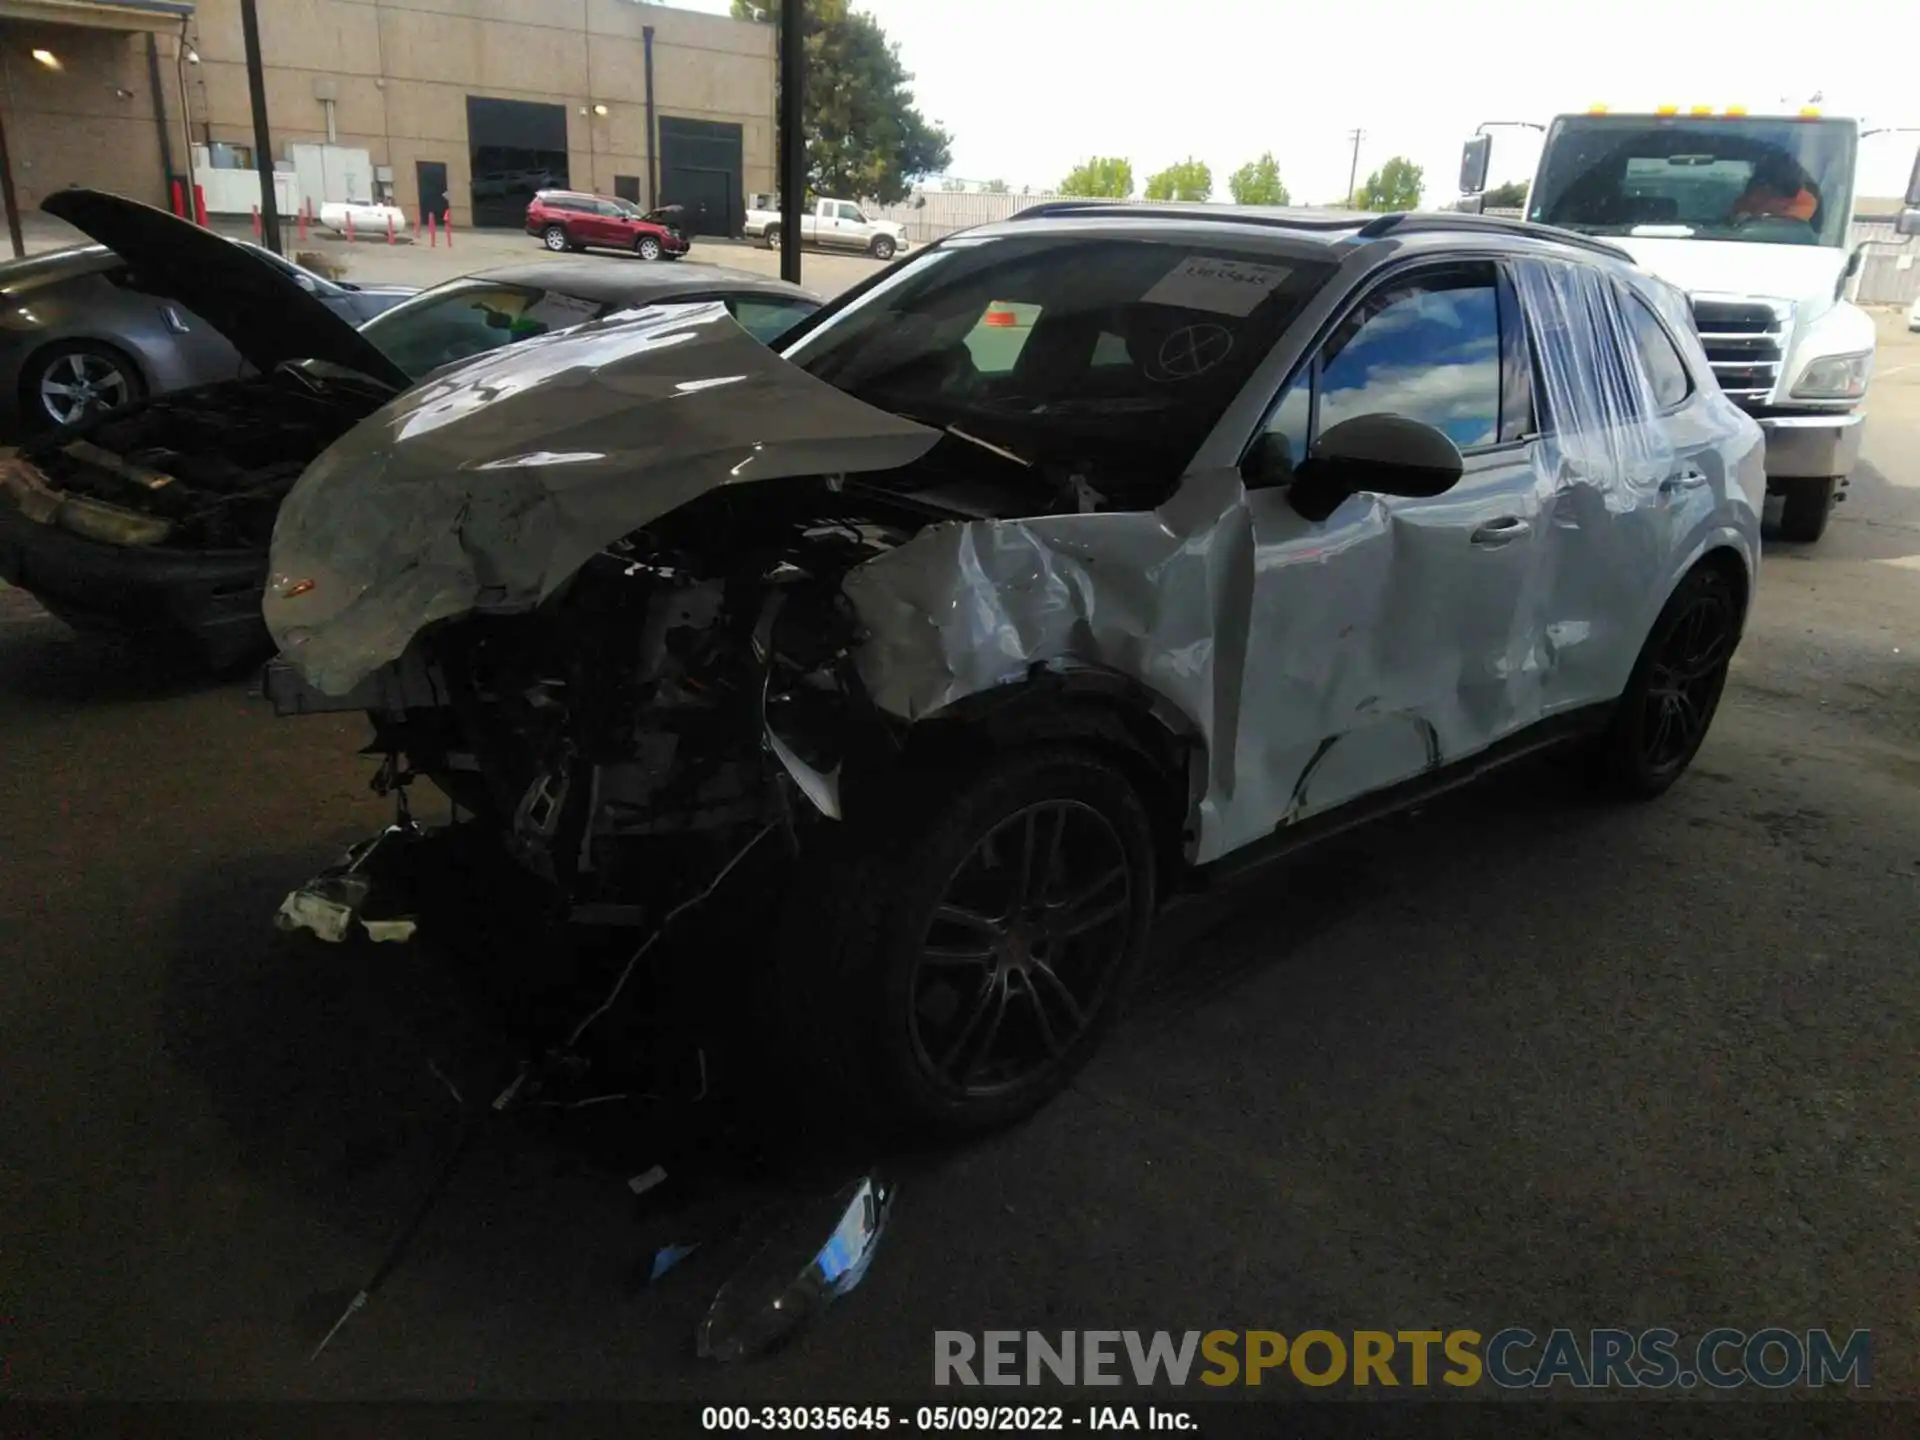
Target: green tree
<point>1258,183</point>
<point>1510,196</point>
<point>865,138</point>
<point>995,187</point>
<point>1394,186</point>
<point>1187,179</point>
<point>1104,176</point>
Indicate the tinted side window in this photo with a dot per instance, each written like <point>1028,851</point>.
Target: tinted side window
<point>1426,348</point>
<point>1666,371</point>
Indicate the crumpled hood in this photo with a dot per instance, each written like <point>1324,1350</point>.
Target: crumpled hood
<point>487,487</point>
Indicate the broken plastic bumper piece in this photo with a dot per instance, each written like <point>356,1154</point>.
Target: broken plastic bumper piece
<point>794,1276</point>
<point>346,894</point>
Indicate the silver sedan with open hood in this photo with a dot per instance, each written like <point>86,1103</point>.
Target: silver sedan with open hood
<point>1072,560</point>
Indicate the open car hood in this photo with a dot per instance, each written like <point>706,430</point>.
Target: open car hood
<point>486,487</point>
<point>261,312</point>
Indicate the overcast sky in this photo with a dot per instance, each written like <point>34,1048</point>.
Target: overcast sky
<point>1029,88</point>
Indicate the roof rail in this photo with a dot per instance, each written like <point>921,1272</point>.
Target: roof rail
<point>1407,222</point>
<point>1364,227</point>
<point>1275,216</point>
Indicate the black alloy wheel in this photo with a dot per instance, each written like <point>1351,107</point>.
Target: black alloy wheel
<point>1022,949</point>
<point>1670,701</point>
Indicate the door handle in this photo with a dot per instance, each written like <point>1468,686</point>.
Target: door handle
<point>1503,531</point>
<point>1691,478</point>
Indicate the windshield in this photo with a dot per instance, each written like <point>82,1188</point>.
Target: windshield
<point>1122,352</point>
<point>1782,182</point>
<point>458,321</point>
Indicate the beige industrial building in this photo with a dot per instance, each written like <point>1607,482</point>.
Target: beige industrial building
<point>476,101</point>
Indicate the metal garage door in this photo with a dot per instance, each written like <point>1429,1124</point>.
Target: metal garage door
<point>700,169</point>
<point>518,147</point>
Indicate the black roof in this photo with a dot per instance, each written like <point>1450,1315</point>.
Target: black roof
<point>636,282</point>
<point>1331,225</point>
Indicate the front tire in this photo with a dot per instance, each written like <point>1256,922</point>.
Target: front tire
<point>882,247</point>
<point>1663,715</point>
<point>773,237</point>
<point>555,239</point>
<point>647,247</point>
<point>1808,504</point>
<point>973,949</point>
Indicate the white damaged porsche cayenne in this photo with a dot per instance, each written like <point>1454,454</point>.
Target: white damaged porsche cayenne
<point>1061,564</point>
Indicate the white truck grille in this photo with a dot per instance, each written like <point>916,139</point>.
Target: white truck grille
<point>1746,341</point>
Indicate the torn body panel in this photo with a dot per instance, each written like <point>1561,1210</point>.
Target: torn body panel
<point>487,488</point>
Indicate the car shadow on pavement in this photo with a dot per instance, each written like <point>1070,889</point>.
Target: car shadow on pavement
<point>1211,942</point>
<point>47,662</point>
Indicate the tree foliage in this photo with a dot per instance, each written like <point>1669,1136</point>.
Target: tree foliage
<point>995,187</point>
<point>1510,196</point>
<point>1258,183</point>
<point>865,138</point>
<point>1187,179</point>
<point>1104,176</point>
<point>1395,185</point>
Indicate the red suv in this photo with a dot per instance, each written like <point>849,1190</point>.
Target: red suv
<point>570,220</point>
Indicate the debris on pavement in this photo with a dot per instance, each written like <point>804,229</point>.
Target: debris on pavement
<point>668,1256</point>
<point>330,903</point>
<point>794,1276</point>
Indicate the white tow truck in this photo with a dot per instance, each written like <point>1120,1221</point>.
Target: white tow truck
<point>1749,213</point>
<point>829,224</point>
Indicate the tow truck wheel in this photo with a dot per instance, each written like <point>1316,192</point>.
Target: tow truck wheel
<point>1803,518</point>
<point>773,237</point>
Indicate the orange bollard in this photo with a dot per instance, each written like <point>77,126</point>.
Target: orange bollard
<point>433,232</point>
<point>256,222</point>
<point>179,200</point>
<point>200,204</point>
<point>306,209</point>
<point>446,222</point>
<point>389,227</point>
<point>349,227</point>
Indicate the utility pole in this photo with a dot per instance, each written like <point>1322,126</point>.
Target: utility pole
<point>1353,170</point>
<point>262,142</point>
<point>793,141</point>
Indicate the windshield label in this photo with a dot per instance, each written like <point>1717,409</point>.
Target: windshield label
<point>1226,287</point>
<point>559,311</point>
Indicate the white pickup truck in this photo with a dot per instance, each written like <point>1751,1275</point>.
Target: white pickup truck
<point>829,224</point>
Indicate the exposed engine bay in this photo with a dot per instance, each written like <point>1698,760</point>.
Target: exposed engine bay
<point>693,684</point>
<point>202,469</point>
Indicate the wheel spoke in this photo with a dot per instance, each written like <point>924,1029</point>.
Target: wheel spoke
<point>966,919</point>
<point>993,989</point>
<point>1048,1035</point>
<point>1093,905</point>
<point>948,957</point>
<point>1040,840</point>
<point>981,1048</point>
<point>1058,989</point>
<point>1657,744</point>
<point>49,387</point>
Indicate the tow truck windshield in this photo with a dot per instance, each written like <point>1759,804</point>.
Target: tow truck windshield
<point>1773,181</point>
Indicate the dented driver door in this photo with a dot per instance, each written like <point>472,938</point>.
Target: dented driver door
<point>1398,634</point>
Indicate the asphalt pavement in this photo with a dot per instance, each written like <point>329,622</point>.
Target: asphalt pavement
<point>1517,1059</point>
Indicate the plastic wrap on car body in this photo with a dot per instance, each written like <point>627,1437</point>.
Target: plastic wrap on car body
<point>487,487</point>
<point>1598,398</point>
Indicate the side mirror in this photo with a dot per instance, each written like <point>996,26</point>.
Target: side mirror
<point>1379,454</point>
<point>1913,184</point>
<point>1474,156</point>
<point>1909,222</point>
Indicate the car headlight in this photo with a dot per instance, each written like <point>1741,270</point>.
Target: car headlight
<point>1835,377</point>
